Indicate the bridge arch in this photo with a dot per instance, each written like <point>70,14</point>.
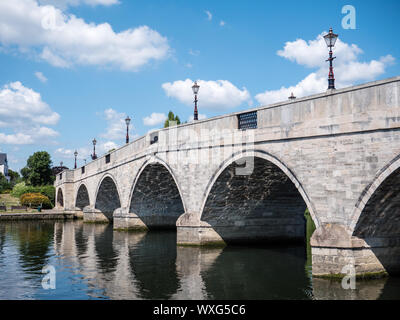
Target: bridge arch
<point>270,158</point>
<point>60,198</point>
<point>267,201</point>
<point>82,198</point>
<point>156,197</point>
<point>107,196</point>
<point>376,218</point>
<point>366,195</point>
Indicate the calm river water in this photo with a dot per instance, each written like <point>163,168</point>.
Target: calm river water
<point>94,262</point>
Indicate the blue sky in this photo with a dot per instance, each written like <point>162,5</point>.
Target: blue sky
<point>66,77</point>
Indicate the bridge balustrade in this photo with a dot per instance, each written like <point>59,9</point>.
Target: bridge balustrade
<point>248,120</point>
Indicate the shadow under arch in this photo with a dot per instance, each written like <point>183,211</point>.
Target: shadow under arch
<point>82,197</point>
<point>106,254</point>
<point>107,197</point>
<point>60,198</point>
<point>377,219</point>
<point>265,203</point>
<point>155,197</point>
<point>258,273</point>
<point>153,263</point>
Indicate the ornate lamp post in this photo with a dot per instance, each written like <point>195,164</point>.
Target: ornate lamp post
<point>127,121</point>
<point>75,154</point>
<point>195,89</point>
<point>94,156</point>
<point>330,40</point>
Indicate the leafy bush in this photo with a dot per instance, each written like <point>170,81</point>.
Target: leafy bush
<point>7,191</point>
<point>35,199</point>
<point>21,189</point>
<point>48,191</point>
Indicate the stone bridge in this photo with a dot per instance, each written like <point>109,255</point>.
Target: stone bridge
<point>249,176</point>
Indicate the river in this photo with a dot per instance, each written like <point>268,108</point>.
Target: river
<point>92,261</point>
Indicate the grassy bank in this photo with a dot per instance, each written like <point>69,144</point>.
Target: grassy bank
<point>8,200</point>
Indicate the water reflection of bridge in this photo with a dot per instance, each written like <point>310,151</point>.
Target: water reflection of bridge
<point>109,260</point>
<point>126,265</point>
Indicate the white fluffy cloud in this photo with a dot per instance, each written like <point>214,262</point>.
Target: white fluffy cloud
<point>64,153</point>
<point>20,105</point>
<point>66,3</point>
<point>209,15</point>
<point>23,112</point>
<point>40,76</point>
<point>154,119</point>
<point>219,94</point>
<point>348,70</point>
<point>107,146</point>
<point>110,139</point>
<point>116,126</point>
<point>18,138</point>
<point>309,85</point>
<point>85,152</point>
<point>64,40</point>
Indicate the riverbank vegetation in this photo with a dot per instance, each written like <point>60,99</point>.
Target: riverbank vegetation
<point>33,200</point>
<point>35,187</point>
<point>8,200</point>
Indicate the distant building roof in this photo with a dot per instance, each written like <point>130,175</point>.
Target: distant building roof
<point>3,158</point>
<point>57,170</point>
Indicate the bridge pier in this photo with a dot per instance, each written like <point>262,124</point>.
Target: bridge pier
<point>125,220</point>
<point>335,252</point>
<point>193,232</point>
<point>95,215</point>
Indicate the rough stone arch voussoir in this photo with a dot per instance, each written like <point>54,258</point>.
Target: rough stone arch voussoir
<point>155,197</point>
<point>273,160</point>
<point>107,196</point>
<point>82,198</point>
<point>262,202</point>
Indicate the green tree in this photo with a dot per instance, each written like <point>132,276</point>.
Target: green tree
<point>171,117</point>
<point>14,177</point>
<point>4,184</point>
<point>37,171</point>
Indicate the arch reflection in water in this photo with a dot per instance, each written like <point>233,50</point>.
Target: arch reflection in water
<point>94,262</point>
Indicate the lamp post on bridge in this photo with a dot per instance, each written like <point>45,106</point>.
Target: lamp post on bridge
<point>195,89</point>
<point>94,156</point>
<point>75,154</point>
<point>330,40</point>
<point>127,121</point>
